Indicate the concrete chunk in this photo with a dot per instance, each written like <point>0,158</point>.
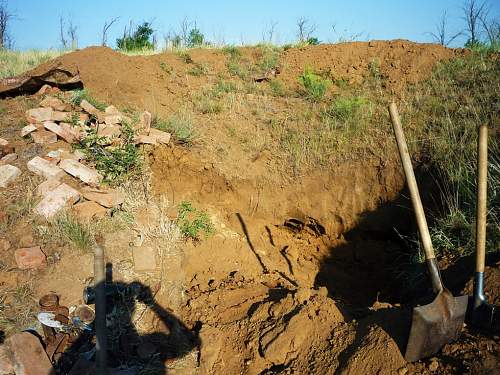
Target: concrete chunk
<point>56,129</point>
<point>30,258</point>
<point>27,130</point>
<point>44,168</point>
<point>44,137</point>
<point>8,173</point>
<point>55,200</point>
<point>88,175</point>
<point>109,199</point>
<point>38,114</point>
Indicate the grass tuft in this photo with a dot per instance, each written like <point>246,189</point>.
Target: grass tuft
<point>78,95</point>
<point>180,125</point>
<point>314,86</point>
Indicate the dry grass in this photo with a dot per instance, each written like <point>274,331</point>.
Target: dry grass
<point>13,63</point>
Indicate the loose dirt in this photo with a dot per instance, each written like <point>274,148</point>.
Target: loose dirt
<point>302,274</point>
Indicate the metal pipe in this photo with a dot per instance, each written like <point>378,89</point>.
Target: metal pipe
<point>100,311</point>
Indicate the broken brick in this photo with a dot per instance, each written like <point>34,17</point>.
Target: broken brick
<point>161,136</point>
<point>89,210</point>
<point>28,129</point>
<point>44,137</point>
<point>28,355</point>
<point>8,173</point>
<point>38,114</point>
<point>62,133</point>
<point>109,199</point>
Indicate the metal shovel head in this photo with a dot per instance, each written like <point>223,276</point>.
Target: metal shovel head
<point>482,316</point>
<point>435,324</point>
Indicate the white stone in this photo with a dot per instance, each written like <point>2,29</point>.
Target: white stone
<point>55,200</point>
<point>84,173</point>
<point>45,168</point>
<point>27,130</point>
<point>8,173</point>
<point>4,142</point>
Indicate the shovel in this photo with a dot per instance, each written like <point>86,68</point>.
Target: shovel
<point>481,313</point>
<point>441,321</point>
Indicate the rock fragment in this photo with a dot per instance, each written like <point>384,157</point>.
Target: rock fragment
<point>161,136</point>
<point>54,103</point>
<point>44,168</point>
<point>28,129</point>
<point>47,186</point>
<point>89,108</point>
<point>57,199</point>
<point>58,130</point>
<point>44,137</point>
<point>8,174</point>
<point>30,258</point>
<point>85,174</point>
<point>89,210</point>
<point>9,158</point>
<point>27,355</point>
<point>38,114</point>
<point>109,199</point>
<point>60,116</point>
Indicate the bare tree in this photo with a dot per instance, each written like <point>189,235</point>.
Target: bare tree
<point>5,18</point>
<point>492,29</point>
<point>105,28</point>
<point>441,36</point>
<point>72,34</point>
<point>269,30</point>
<point>305,29</point>
<point>473,12</point>
<point>62,36</point>
<point>185,27</point>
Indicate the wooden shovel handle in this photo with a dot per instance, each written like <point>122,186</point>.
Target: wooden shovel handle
<point>412,183</point>
<point>482,177</point>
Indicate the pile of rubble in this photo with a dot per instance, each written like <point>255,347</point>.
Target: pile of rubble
<point>71,181</point>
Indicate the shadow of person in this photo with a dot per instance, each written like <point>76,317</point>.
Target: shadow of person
<point>128,350</point>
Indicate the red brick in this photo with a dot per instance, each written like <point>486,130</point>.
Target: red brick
<point>30,258</point>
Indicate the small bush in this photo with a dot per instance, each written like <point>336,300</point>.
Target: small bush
<point>346,107</point>
<point>195,38</point>
<point>269,58</point>
<point>193,222</point>
<point>237,69</point>
<point>277,87</point>
<point>180,125</point>
<point>78,95</point>
<point>232,51</point>
<point>185,56</point>
<point>206,104</point>
<point>314,85</point>
<point>198,70</point>
<point>223,87</point>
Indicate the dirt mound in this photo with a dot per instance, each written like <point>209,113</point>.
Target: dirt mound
<point>141,80</point>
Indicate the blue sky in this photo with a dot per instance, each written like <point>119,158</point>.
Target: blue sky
<point>37,23</point>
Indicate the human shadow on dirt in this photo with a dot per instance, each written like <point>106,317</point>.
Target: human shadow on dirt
<point>129,351</point>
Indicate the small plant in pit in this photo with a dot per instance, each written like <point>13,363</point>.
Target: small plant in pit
<point>180,125</point>
<point>313,84</point>
<point>115,163</point>
<point>192,222</point>
<point>78,95</point>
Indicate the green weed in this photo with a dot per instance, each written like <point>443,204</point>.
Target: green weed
<point>78,95</point>
<point>185,56</point>
<point>69,230</point>
<point>344,108</point>
<point>277,87</point>
<point>314,85</point>
<point>13,63</point>
<point>198,70</point>
<point>192,222</point>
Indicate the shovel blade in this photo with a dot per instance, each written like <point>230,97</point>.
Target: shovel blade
<point>435,324</point>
